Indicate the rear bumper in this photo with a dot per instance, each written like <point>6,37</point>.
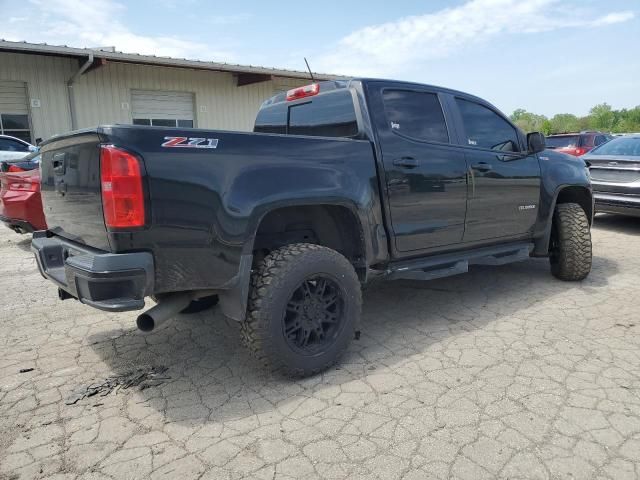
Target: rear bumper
<point>18,207</point>
<point>617,203</point>
<point>114,282</point>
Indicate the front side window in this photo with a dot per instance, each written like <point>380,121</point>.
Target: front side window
<point>484,128</point>
<point>415,114</point>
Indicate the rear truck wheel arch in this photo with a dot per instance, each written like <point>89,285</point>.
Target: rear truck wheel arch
<point>335,226</point>
<point>564,194</point>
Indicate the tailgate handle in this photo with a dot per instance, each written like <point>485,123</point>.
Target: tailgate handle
<point>59,163</point>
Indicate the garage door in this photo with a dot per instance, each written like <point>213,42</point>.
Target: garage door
<point>14,110</point>
<point>162,109</point>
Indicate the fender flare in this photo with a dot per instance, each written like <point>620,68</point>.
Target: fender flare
<point>541,248</point>
<point>234,300</point>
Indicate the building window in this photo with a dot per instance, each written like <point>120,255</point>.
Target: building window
<point>16,125</point>
<point>163,122</point>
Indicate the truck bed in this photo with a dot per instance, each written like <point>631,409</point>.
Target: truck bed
<point>204,197</point>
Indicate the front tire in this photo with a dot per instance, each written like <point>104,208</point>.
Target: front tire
<point>304,307</point>
<point>570,252</point>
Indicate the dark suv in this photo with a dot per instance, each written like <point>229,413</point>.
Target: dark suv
<point>577,144</point>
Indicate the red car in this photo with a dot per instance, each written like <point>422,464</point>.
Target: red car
<point>20,202</point>
<point>577,144</point>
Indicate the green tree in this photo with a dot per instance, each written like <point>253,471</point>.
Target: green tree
<point>602,117</point>
<point>564,122</point>
<point>527,121</point>
<point>628,120</point>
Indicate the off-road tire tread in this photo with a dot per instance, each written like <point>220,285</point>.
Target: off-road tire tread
<point>573,232</point>
<point>265,281</point>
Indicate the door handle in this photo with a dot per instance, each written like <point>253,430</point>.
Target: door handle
<point>482,167</point>
<point>406,162</point>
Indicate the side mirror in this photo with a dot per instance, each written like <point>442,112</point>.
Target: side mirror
<point>33,149</point>
<point>536,142</point>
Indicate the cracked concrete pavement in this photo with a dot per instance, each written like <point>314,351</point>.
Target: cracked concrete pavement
<point>503,372</point>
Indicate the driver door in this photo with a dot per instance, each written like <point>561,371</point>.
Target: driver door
<point>504,184</point>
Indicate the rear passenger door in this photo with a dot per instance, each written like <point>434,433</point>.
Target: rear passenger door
<point>504,183</point>
<point>425,175</point>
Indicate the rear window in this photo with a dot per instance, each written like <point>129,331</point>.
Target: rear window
<point>623,146</point>
<point>329,115</point>
<point>562,141</point>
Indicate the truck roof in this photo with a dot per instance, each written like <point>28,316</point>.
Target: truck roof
<point>330,85</point>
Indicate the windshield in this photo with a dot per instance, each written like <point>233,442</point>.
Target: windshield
<point>562,141</point>
<point>623,146</point>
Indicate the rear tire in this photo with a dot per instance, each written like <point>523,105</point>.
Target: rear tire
<point>304,307</point>
<point>570,252</point>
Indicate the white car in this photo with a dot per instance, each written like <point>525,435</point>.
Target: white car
<point>12,147</point>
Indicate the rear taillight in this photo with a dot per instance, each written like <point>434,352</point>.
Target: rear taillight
<point>303,92</point>
<point>575,151</point>
<point>22,186</point>
<point>122,191</point>
<point>580,151</point>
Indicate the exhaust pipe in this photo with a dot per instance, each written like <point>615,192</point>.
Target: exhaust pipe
<point>166,308</point>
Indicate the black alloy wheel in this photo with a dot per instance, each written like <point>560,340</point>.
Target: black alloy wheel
<point>313,317</point>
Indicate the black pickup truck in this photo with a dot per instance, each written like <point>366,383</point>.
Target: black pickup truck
<point>341,183</point>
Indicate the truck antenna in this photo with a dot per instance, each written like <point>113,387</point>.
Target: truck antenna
<point>309,68</point>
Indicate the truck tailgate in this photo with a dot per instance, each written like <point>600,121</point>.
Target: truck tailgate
<point>71,198</point>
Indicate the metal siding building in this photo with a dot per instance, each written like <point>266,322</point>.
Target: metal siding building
<point>128,88</point>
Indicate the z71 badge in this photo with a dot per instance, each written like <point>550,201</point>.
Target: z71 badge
<point>190,142</point>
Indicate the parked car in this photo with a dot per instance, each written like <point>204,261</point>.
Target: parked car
<point>30,162</point>
<point>577,144</point>
<point>20,202</point>
<point>12,147</point>
<point>615,175</point>
<point>356,181</point>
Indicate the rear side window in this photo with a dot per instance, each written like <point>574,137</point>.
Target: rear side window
<point>329,115</point>
<point>484,128</point>
<point>415,114</point>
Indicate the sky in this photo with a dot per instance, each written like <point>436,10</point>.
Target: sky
<point>547,56</point>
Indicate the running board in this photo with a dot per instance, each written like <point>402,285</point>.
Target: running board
<point>455,263</point>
